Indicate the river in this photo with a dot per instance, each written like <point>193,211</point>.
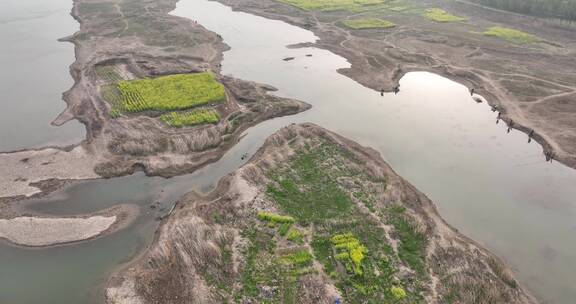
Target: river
<point>34,73</point>
<point>492,185</point>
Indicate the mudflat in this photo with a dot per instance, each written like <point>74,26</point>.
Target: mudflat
<point>42,231</point>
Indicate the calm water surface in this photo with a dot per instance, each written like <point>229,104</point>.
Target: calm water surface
<point>493,186</point>
<point>34,73</point>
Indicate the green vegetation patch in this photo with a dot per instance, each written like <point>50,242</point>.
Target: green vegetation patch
<point>284,228</point>
<point>355,254</point>
<point>170,93</point>
<point>349,251</point>
<point>294,235</point>
<point>264,269</point>
<point>440,15</point>
<point>511,35</point>
<point>261,266</point>
<point>306,191</point>
<point>275,218</point>
<point>331,5</point>
<point>315,188</point>
<point>368,23</point>
<point>190,118</point>
<point>301,258</point>
<point>398,292</point>
<point>412,243</point>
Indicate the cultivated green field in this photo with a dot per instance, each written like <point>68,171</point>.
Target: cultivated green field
<point>190,118</point>
<point>170,93</point>
<point>368,23</point>
<point>330,5</point>
<point>440,15</point>
<point>511,35</point>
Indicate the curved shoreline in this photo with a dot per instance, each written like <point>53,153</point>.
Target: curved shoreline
<point>43,231</point>
<point>347,44</point>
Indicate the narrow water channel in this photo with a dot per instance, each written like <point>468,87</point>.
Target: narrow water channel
<point>34,73</point>
<point>493,186</point>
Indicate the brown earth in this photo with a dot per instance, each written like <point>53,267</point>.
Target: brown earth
<point>201,253</point>
<point>533,85</point>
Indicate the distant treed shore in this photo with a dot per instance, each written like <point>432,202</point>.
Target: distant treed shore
<point>559,9</point>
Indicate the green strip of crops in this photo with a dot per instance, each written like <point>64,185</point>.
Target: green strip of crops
<point>190,118</point>
<point>440,15</point>
<point>170,93</point>
<point>368,23</point>
<point>329,5</point>
<point>511,35</point>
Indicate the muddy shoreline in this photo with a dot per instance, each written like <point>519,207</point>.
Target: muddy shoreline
<point>380,58</point>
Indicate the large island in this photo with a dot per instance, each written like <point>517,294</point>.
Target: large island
<point>313,218</point>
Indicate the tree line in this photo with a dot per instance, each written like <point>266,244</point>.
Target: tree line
<point>557,9</point>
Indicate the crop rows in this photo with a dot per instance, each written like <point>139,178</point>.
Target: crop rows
<point>132,100</point>
<point>163,94</point>
<point>190,118</point>
<point>170,93</point>
<point>108,74</point>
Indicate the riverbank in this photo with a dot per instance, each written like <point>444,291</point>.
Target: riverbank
<point>531,85</point>
<point>217,247</point>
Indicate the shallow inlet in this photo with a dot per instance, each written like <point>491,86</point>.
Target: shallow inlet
<point>34,73</point>
<point>491,185</point>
